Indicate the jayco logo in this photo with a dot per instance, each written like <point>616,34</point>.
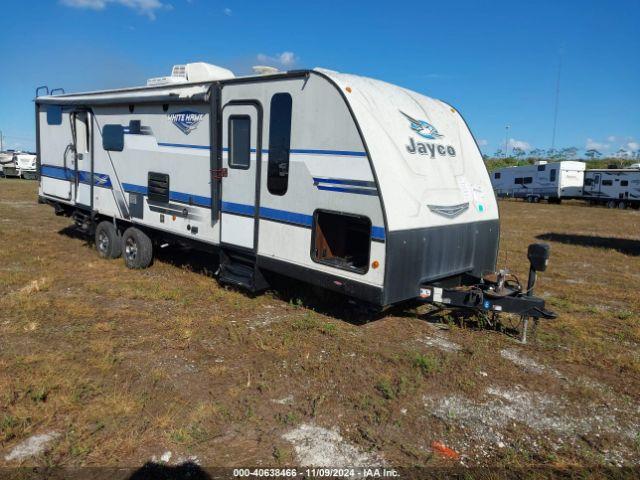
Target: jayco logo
<point>428,131</point>
<point>186,121</point>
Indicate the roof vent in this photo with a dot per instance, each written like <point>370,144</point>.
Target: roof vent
<point>264,70</point>
<point>193,72</point>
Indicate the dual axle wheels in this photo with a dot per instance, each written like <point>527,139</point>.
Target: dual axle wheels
<point>134,245</point>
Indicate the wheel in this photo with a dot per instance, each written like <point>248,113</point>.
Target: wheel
<point>536,199</point>
<point>138,249</point>
<point>622,205</point>
<point>108,240</point>
<point>611,204</point>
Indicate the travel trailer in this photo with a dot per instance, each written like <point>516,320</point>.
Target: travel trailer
<point>19,164</point>
<point>550,181</point>
<point>345,182</point>
<point>6,158</point>
<point>615,188</point>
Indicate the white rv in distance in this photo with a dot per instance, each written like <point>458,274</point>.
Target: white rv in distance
<point>550,181</point>
<point>345,182</point>
<point>19,164</point>
<point>613,187</point>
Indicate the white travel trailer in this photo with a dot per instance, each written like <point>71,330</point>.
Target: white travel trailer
<point>341,181</point>
<point>6,158</point>
<point>613,187</point>
<point>550,181</point>
<point>19,164</point>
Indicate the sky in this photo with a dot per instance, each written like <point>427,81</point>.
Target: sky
<point>496,62</point>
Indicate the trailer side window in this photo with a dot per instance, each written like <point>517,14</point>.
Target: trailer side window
<point>279,143</point>
<point>54,115</point>
<point>239,141</point>
<point>496,175</point>
<point>341,240</point>
<point>607,183</point>
<point>518,181</point>
<point>541,168</point>
<point>527,180</point>
<point>588,182</point>
<point>552,175</point>
<point>624,183</point>
<point>113,138</point>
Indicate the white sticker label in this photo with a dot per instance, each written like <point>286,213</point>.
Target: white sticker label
<point>437,294</point>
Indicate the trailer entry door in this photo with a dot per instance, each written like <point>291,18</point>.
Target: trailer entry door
<point>240,161</point>
<point>83,161</point>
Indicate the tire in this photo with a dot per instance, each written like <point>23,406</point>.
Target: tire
<point>137,248</point>
<point>108,240</point>
<point>622,205</point>
<point>536,199</point>
<point>611,204</point>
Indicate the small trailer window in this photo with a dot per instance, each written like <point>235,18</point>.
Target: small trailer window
<point>527,180</point>
<point>113,138</point>
<point>607,183</point>
<point>541,168</point>
<point>341,240</point>
<point>239,141</point>
<point>279,143</point>
<point>496,175</point>
<point>624,183</point>
<point>54,115</point>
<point>518,181</point>
<point>552,175</point>
<point>588,182</point>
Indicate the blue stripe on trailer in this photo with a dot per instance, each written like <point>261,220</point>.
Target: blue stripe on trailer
<point>61,173</point>
<point>285,216</point>
<point>344,181</point>
<point>378,233</point>
<point>184,145</point>
<point>53,171</point>
<point>358,191</point>
<point>130,187</point>
<point>238,208</point>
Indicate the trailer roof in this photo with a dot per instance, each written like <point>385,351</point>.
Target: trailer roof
<point>182,92</point>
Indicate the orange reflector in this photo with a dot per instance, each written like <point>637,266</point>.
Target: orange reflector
<point>348,89</point>
<point>173,218</point>
<point>375,264</point>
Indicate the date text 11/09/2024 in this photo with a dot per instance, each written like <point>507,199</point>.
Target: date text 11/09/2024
<point>325,472</point>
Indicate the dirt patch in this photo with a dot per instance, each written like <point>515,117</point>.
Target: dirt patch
<point>31,447</point>
<point>320,447</point>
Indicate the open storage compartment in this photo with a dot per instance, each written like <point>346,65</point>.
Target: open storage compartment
<point>341,240</point>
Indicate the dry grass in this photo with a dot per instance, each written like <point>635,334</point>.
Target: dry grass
<point>128,364</point>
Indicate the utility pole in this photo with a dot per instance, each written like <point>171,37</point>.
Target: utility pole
<point>1,142</point>
<point>506,141</point>
<point>555,108</point>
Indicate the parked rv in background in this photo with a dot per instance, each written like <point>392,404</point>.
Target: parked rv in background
<point>549,181</point>
<point>614,188</point>
<point>19,164</point>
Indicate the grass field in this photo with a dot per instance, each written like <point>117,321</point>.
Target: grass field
<point>119,367</point>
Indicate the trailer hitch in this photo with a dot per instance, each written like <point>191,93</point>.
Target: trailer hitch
<point>498,293</point>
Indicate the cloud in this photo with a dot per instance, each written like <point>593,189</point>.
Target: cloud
<point>482,142</point>
<point>611,138</point>
<point>285,59</point>
<point>633,146</point>
<point>593,145</point>
<point>228,12</point>
<point>147,8</point>
<point>521,144</point>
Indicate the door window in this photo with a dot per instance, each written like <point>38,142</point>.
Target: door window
<point>239,141</point>
<point>279,143</point>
